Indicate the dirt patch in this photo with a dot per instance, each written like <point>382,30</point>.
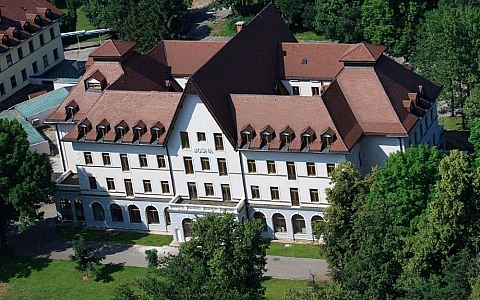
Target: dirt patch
<point>199,3</point>
<point>4,287</point>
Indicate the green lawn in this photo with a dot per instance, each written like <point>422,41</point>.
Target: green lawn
<point>122,237</point>
<point>451,123</point>
<point>295,250</point>
<point>38,278</point>
<point>309,36</point>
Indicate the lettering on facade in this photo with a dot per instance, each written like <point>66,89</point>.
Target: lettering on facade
<point>202,150</point>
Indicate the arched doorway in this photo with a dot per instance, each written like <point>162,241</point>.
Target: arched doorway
<point>152,215</point>
<point>186,225</point>
<point>279,224</point>
<point>134,214</point>
<point>116,213</point>
<point>298,224</point>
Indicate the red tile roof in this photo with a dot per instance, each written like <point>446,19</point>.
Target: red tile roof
<point>113,49</point>
<point>363,53</point>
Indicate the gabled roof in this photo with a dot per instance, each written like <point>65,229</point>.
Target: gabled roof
<point>184,57</point>
<point>246,64</point>
<point>363,53</point>
<point>113,48</point>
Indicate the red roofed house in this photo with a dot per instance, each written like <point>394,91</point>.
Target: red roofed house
<point>253,127</point>
<point>30,42</point>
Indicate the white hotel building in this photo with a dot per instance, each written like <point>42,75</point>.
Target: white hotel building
<point>30,42</point>
<point>253,127</point>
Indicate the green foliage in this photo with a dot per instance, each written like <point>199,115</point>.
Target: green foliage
<point>471,109</point>
<point>24,179</point>
<point>85,259</point>
<point>339,20</point>
<point>70,21</point>
<point>225,260</point>
<point>297,14</point>
<point>446,51</point>
<point>474,138</point>
<point>109,14</point>
<point>152,258</point>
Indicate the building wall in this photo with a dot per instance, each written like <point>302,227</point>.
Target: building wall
<point>304,86</point>
<point>18,64</point>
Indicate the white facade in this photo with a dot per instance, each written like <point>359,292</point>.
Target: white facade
<point>37,54</point>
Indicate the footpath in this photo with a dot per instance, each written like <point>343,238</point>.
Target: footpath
<point>43,241</point>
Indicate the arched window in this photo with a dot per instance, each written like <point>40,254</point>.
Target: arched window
<point>260,216</point>
<point>186,224</point>
<point>98,212</point>
<point>152,215</point>
<point>298,224</point>
<point>66,209</point>
<point>316,221</point>
<point>134,214</point>
<point>167,216</point>
<point>79,210</point>
<point>116,212</point>
<point>279,224</point>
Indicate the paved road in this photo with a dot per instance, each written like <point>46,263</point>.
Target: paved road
<point>42,241</point>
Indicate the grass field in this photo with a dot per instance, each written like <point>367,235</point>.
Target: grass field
<point>295,250</point>
<point>121,237</point>
<point>38,278</point>
<point>451,123</point>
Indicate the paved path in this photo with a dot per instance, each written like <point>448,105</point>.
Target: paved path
<point>42,241</point>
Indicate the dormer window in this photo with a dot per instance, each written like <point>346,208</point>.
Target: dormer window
<point>26,26</point>
<point>48,13</point>
<point>96,82</point>
<point>139,129</point>
<point>308,135</point>
<point>102,129</point>
<point>120,130</point>
<point>94,85</point>
<point>247,134</point>
<point>71,109</point>
<point>157,130</point>
<point>5,39</point>
<point>328,137</point>
<point>267,135</point>
<point>83,128</point>
<point>16,33</point>
<point>37,20</point>
<point>286,136</point>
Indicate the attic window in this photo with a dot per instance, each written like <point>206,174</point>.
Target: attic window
<point>267,134</point>
<point>157,130</point>
<point>247,134</point>
<point>286,136</point>
<point>71,109</point>
<point>121,129</point>
<point>5,39</point>
<point>94,85</point>
<point>48,13</point>
<point>37,19</point>
<point>83,128</point>
<point>26,26</point>
<point>139,129</point>
<point>266,137</point>
<point>16,33</point>
<point>304,61</point>
<point>308,135</point>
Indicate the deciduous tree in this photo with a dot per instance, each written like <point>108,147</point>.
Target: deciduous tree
<point>339,20</point>
<point>85,259</point>
<point>25,179</point>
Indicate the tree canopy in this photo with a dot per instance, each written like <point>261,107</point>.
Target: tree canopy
<point>225,259</point>
<point>25,179</point>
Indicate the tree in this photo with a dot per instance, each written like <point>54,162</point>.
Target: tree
<point>339,20</point>
<point>296,14</point>
<point>471,109</point>
<point>69,23</point>
<point>225,259</point>
<point>154,20</point>
<point>85,259</point>
<point>25,179</point>
<point>446,51</point>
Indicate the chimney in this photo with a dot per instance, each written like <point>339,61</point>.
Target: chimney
<point>239,25</point>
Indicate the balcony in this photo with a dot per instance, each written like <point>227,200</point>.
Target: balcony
<point>179,204</point>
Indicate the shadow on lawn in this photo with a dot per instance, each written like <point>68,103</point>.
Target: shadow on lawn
<point>107,271</point>
<point>13,266</point>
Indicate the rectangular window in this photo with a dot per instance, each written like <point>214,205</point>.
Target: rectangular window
<point>42,41</point>
<point>184,139</point>
<point>142,158</point>
<point>161,162</point>
<point>35,67</point>
<point>2,89</point>
<point>274,193</point>
<point>52,33</point>
<point>296,90</point>
<point>192,190</point>
<point>226,192</point>
<point>9,60</point>
<point>55,54</point>
<point>106,159</point>
<point>311,169</point>
<point>255,192</point>
<point>188,165</point>
<point>222,167</point>
<point>20,53</point>
<point>314,195</point>
<point>165,187</point>
<point>110,184</point>
<point>13,81</point>
<point>92,182</point>
<point>252,167</point>
<point>147,186</point>
<point>209,189</point>
<point>31,47</point>
<point>271,167</point>
<point>201,137</point>
<point>218,141</point>
<point>45,61</point>
<point>294,197</point>
<point>315,91</point>
<point>292,175</point>
<point>205,163</point>
<point>128,187</point>
<point>24,75</point>
<point>124,161</point>
<point>88,158</point>
<point>330,169</point>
